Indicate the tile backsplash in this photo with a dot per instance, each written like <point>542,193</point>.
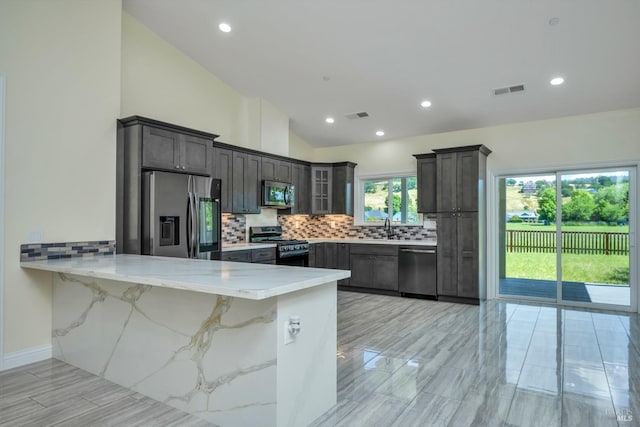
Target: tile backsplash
<point>234,228</point>
<point>44,251</point>
<point>341,227</point>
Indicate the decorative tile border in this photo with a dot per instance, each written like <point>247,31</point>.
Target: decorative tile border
<point>44,251</point>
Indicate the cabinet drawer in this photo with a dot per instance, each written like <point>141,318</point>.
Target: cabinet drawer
<point>263,255</point>
<point>364,249</point>
<point>236,256</point>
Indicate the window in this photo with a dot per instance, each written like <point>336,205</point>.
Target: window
<point>393,198</point>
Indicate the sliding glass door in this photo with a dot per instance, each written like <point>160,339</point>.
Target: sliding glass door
<point>594,237</point>
<point>566,237</point>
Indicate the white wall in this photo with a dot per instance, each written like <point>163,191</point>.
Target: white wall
<point>162,83</point>
<point>274,130</point>
<point>299,148</point>
<point>62,65</point>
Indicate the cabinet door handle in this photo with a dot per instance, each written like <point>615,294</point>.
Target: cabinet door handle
<point>453,214</point>
<point>459,209</point>
<point>177,166</point>
<point>184,167</point>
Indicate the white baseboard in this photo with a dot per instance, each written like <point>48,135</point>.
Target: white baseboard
<point>26,356</point>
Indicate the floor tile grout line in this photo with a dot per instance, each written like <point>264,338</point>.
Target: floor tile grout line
<point>613,405</point>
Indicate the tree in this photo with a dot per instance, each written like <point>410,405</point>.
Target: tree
<point>412,183</point>
<point>612,203</point>
<point>580,207</point>
<point>547,205</point>
<point>510,182</point>
<point>370,187</point>
<point>397,203</point>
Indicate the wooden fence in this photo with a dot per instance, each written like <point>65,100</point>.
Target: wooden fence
<point>573,242</point>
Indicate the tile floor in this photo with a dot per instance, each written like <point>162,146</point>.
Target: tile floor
<point>407,362</point>
<point>52,393</point>
<point>404,363</point>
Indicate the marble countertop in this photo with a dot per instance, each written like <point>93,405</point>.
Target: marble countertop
<point>229,247</point>
<point>242,280</point>
<point>426,242</point>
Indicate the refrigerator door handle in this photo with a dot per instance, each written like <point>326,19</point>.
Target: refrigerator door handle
<point>188,224</point>
<point>191,242</point>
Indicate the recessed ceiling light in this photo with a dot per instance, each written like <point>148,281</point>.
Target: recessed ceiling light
<point>554,21</point>
<point>425,104</point>
<point>224,27</point>
<point>329,120</point>
<point>380,133</point>
<point>557,81</point>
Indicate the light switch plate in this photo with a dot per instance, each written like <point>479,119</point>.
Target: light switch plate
<point>429,224</point>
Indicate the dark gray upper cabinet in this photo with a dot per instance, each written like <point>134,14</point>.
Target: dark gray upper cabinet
<point>321,189</point>
<point>332,188</point>
<point>301,181</point>
<point>276,169</point>
<point>342,188</point>
<point>427,179</point>
<point>149,144</point>
<point>171,150</point>
<point>246,183</point>
<point>223,170</point>
<point>461,178</point>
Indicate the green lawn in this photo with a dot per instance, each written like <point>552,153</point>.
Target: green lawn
<point>609,269</point>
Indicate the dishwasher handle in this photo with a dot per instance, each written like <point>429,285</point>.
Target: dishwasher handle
<point>419,251</point>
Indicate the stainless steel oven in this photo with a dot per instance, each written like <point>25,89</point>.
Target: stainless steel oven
<point>288,252</point>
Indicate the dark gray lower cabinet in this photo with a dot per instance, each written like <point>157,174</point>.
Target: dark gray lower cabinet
<point>259,256</point>
<point>330,255</point>
<point>374,266</point>
<point>343,260</point>
<point>458,249</point>
<point>236,256</point>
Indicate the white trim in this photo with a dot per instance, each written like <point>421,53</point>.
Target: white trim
<point>358,198</point>
<point>2,173</point>
<point>28,355</point>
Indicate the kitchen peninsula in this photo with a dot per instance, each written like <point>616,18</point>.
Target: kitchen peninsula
<point>208,337</point>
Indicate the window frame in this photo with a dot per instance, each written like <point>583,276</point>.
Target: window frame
<point>358,205</point>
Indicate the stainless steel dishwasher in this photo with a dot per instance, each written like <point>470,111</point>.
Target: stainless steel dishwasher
<point>417,271</point>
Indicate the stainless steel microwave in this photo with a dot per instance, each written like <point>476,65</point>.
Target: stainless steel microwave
<point>277,194</point>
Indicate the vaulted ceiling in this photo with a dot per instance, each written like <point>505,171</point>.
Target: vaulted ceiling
<point>330,58</point>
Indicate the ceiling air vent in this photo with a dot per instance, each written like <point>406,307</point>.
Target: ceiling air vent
<point>355,116</point>
<point>508,89</point>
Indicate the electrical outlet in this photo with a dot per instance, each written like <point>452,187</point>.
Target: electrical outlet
<point>333,224</point>
<point>35,236</point>
<point>297,224</point>
<point>288,338</point>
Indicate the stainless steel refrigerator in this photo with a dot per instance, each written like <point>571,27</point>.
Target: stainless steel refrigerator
<point>181,215</point>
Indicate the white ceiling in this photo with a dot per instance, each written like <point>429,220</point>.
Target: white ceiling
<point>385,56</point>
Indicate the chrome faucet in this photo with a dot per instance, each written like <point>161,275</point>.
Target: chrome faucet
<point>387,228</point>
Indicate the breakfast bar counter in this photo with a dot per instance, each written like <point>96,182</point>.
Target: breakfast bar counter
<point>208,337</point>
